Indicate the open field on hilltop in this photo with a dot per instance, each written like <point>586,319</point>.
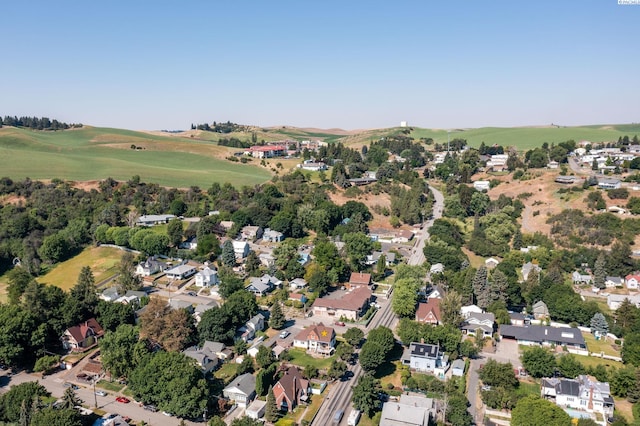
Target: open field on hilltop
<point>96,153</point>
<point>103,262</point>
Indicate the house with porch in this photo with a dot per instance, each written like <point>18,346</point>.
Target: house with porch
<point>426,358</point>
<point>579,278</point>
<point>248,331</point>
<point>613,282</point>
<point>484,322</point>
<point>429,312</point>
<point>206,359</point>
<point>272,236</point>
<point>351,306</point>
<point>260,286</point>
<point>317,338</point>
<point>150,266</point>
<point>181,272</point>
<point>540,335</point>
<point>207,277</point>
<point>241,390</point>
<point>82,336</point>
<point>632,281</point>
<point>291,390</point>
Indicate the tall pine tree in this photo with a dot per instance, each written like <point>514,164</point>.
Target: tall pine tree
<point>481,288</point>
<point>599,272</point>
<point>228,256</point>
<point>277,318</point>
<point>271,412</point>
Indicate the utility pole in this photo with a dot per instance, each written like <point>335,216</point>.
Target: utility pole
<point>95,397</point>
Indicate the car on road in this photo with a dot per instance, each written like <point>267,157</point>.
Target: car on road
<point>71,385</point>
<point>284,334</point>
<point>123,400</point>
<point>340,323</point>
<point>151,408</point>
<point>485,388</point>
<point>167,414</point>
<point>192,293</point>
<point>101,393</point>
<point>338,416</point>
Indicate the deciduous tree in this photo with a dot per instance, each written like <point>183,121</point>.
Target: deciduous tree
<point>539,362</point>
<point>365,395</point>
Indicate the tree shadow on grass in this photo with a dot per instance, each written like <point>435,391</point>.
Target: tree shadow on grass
<point>389,367</point>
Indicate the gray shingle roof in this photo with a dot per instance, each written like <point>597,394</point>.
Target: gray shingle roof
<point>569,336</point>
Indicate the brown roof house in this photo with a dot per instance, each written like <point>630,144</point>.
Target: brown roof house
<point>317,338</point>
<point>429,313</point>
<point>82,336</point>
<point>359,279</point>
<point>291,389</point>
<point>351,306</point>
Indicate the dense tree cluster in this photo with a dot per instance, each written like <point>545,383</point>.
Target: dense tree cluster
<point>36,123</point>
<point>216,127</point>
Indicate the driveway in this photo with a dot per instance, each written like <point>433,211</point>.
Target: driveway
<point>506,351</point>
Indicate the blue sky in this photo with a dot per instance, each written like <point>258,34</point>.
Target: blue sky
<point>349,64</point>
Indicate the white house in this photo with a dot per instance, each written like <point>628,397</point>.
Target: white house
<point>181,272</point>
<point>272,236</point>
<point>615,300</point>
<point>609,183</point>
<point>438,268</point>
<point>154,219</point>
<point>149,267</point>
<point>317,338</point>
<point>527,268</point>
<point>206,359</point>
<point>241,249</point>
<point>424,358</point>
<point>611,282</point>
<point>248,331</point>
<point>312,165</point>
<point>189,243</point>
<point>241,390</point>
<point>475,322</point>
<point>409,411</point>
<point>632,281</point>
<point>491,263</point>
<point>468,310</point>
<point>581,393</point>
<point>297,283</point>
<point>579,278</point>
<point>207,277</point>
<point>457,368</point>
<point>482,185</point>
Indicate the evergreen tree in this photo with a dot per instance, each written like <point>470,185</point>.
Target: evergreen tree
<point>127,279</point>
<point>450,309</point>
<point>228,256</point>
<point>271,411</point>
<point>599,324</point>
<point>85,292</point>
<point>481,288</point>
<point>633,395</point>
<point>599,272</point>
<point>277,319</point>
<point>70,399</point>
<point>252,264</point>
<point>498,288</point>
<point>517,239</point>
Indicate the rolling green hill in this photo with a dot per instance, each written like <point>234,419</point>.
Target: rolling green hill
<point>194,158</point>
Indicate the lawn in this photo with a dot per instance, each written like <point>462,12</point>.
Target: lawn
<point>599,346</point>
<point>300,358</point>
<point>316,402</point>
<point>110,386</point>
<point>592,361</point>
<point>102,261</point>
<point>94,153</point>
<point>226,372</point>
<point>526,388</point>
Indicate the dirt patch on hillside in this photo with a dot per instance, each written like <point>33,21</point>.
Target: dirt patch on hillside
<point>370,200</point>
<point>13,199</point>
<point>87,185</point>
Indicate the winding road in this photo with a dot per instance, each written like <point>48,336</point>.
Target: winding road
<point>339,396</point>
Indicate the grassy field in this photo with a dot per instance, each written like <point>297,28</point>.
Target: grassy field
<point>598,346</point>
<point>300,358</point>
<point>96,153</point>
<point>592,361</point>
<point>101,260</point>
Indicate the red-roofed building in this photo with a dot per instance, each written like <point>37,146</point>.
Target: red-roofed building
<point>429,313</point>
<point>317,338</point>
<point>82,336</point>
<point>359,279</point>
<point>351,306</point>
<point>632,281</point>
<point>268,151</point>
<point>291,389</point>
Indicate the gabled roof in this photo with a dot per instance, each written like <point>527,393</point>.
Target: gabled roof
<point>85,329</point>
<point>359,278</point>
<point>432,306</point>
<point>352,301</point>
<point>259,285</point>
<point>423,350</point>
<point>245,383</point>
<point>207,272</point>
<point>540,334</point>
<point>291,384</point>
<point>255,320</point>
<point>319,332</point>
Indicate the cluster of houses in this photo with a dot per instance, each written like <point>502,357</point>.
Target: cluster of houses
<point>607,159</point>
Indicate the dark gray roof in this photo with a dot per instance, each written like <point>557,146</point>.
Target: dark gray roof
<point>569,336</point>
<point>516,316</point>
<point>423,350</point>
<point>570,387</point>
<point>245,383</point>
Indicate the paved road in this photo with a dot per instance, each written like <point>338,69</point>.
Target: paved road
<point>472,390</point>
<point>339,397</point>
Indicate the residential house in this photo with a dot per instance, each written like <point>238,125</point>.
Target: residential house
<point>482,185</point>
<point>110,294</point>
<point>291,390</point>
<point>527,268</point>
<point>313,165</point>
<point>204,357</point>
<point>298,283</point>
<point>429,312</point>
<point>457,368</point>
<point>615,300</point>
<point>303,258</point>
<point>411,410</point>
<point>241,249</point>
<point>272,236</point>
<point>248,331</point>
<point>189,244</point>
<point>251,233</point>
<point>540,310</point>
<point>425,358</point>
<point>207,277</point>
<point>437,268</point>
<point>390,258</point>
<point>465,311</point>
<point>317,338</point>
<point>553,165</point>
<point>260,286</point>
<point>606,183</point>
<point>528,249</point>
<point>632,281</point>
<point>567,180</point>
<point>437,292</point>
<point>498,162</point>
<point>518,319</point>
<point>298,297</point>
<point>579,278</point>
<point>82,336</point>
<point>612,282</point>
<point>351,306</point>
<point>267,259</point>
<point>475,322</point>
<point>180,304</point>
<point>581,393</point>
<point>181,272</point>
<point>571,338</point>
<point>359,279</point>
<point>491,263</point>
<point>150,266</point>
<point>131,297</point>
<point>241,390</point>
<point>267,151</point>
<point>226,224</point>
<point>403,236</point>
<point>154,219</point>
<point>201,308</point>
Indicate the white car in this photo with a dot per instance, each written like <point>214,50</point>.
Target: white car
<point>101,393</point>
<point>284,334</point>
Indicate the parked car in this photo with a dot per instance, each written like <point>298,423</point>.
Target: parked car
<point>340,323</point>
<point>101,393</point>
<point>191,293</point>
<point>167,414</point>
<point>151,408</point>
<point>123,400</point>
<point>284,334</point>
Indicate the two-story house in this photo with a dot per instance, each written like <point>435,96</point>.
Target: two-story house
<point>429,312</point>
<point>484,322</point>
<point>241,390</point>
<point>150,266</point>
<point>425,358</point>
<point>291,389</point>
<point>248,331</point>
<point>317,338</point>
<point>82,336</point>
<point>581,394</point>
<point>207,277</point>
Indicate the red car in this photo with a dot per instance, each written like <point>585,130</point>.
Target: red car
<point>122,399</point>
<point>340,323</point>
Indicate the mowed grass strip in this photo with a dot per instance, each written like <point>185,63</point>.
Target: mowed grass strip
<point>103,262</point>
